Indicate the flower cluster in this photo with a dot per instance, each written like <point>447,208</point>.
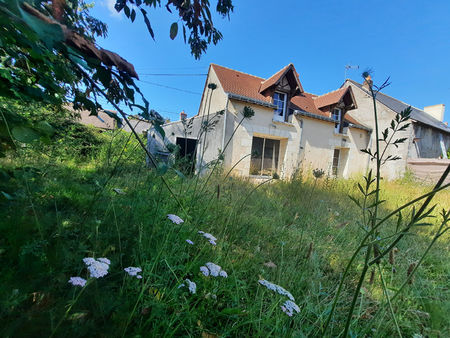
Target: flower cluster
<point>97,268</point>
<point>175,219</point>
<point>278,289</point>
<point>189,242</point>
<point>289,306</point>
<point>208,236</point>
<point>211,269</point>
<point>191,285</point>
<point>77,281</point>
<point>133,271</point>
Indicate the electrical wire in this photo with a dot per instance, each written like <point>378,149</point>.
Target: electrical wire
<point>170,74</point>
<point>169,87</point>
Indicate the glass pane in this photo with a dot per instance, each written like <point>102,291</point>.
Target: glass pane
<point>271,153</point>
<point>335,161</point>
<point>256,158</point>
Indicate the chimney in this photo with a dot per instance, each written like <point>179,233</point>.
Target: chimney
<point>183,115</point>
<point>437,111</point>
<point>368,83</point>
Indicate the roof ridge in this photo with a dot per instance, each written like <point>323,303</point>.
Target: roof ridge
<point>333,91</point>
<point>237,71</point>
<point>279,71</point>
<point>423,111</point>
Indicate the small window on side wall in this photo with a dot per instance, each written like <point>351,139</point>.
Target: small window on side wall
<point>336,115</point>
<point>280,101</point>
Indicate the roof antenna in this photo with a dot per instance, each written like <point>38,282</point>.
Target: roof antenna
<point>347,67</point>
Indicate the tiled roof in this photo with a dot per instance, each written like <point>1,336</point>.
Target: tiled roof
<point>330,98</point>
<point>240,83</point>
<point>397,106</point>
<point>247,88</point>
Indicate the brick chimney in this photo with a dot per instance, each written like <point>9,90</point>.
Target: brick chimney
<point>368,83</point>
<point>183,115</point>
<point>437,111</point>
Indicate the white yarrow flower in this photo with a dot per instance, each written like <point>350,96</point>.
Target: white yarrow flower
<point>213,270</point>
<point>97,268</point>
<point>204,270</point>
<point>104,260</point>
<point>133,271</point>
<point>189,242</point>
<point>191,285</point>
<point>77,281</point>
<point>175,219</point>
<point>289,307</point>
<point>276,288</point>
<point>211,239</point>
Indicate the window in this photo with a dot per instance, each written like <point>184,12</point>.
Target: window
<point>335,167</point>
<point>279,100</point>
<point>265,153</point>
<point>336,115</point>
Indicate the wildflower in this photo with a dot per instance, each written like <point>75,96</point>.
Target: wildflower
<point>97,268</point>
<point>77,281</point>
<point>204,270</point>
<point>189,242</point>
<point>104,260</point>
<point>211,238</point>
<point>213,270</point>
<point>289,307</point>
<point>276,288</point>
<point>175,219</point>
<point>191,285</point>
<point>133,271</point>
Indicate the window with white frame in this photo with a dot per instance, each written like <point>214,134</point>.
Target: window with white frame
<point>280,101</point>
<point>336,115</point>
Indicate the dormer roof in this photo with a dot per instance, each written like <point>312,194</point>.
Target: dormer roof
<point>291,76</point>
<point>342,95</point>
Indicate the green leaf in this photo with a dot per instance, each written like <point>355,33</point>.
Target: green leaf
<point>7,196</point>
<point>147,23</point>
<point>180,174</point>
<point>173,30</point>
<point>160,131</point>
<point>161,169</point>
<point>45,128</point>
<point>24,134</point>
<point>133,15</point>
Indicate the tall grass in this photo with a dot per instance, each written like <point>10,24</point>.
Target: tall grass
<point>298,234</point>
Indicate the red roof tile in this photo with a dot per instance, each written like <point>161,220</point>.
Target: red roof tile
<point>240,83</point>
<point>330,98</point>
<point>249,86</point>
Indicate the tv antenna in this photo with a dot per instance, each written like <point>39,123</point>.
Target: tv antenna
<point>347,67</point>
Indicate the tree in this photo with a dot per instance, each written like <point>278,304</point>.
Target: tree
<point>48,54</point>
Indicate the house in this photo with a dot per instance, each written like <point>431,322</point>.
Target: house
<point>105,121</point>
<point>428,138</point>
<point>291,128</point>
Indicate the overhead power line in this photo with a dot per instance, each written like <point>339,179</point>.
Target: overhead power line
<point>170,74</point>
<point>169,87</point>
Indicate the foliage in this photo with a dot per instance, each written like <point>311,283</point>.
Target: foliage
<point>195,17</point>
<point>48,55</point>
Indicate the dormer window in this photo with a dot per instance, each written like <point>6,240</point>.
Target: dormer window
<point>280,101</point>
<point>336,115</point>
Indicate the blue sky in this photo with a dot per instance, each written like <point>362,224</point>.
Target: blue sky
<point>406,40</point>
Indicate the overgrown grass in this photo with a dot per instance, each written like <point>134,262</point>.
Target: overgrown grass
<point>63,208</point>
